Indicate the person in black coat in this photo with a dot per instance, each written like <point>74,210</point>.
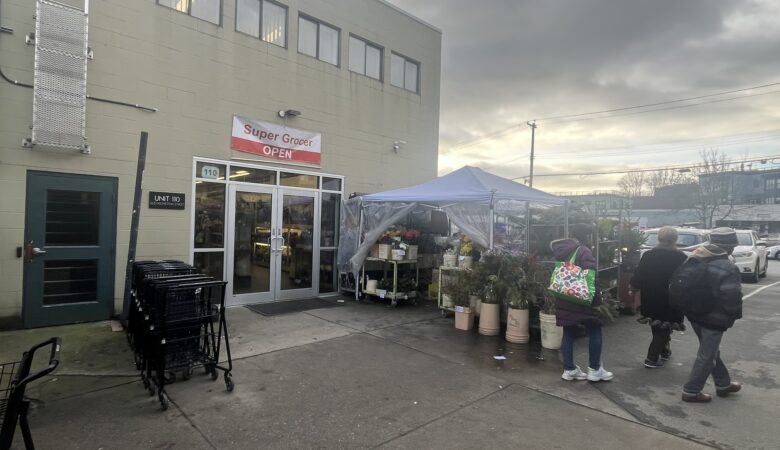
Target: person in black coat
<point>651,279</point>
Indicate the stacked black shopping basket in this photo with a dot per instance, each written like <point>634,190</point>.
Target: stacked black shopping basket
<point>176,324</point>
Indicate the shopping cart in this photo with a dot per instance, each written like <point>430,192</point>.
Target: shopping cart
<point>177,323</point>
<point>14,378</point>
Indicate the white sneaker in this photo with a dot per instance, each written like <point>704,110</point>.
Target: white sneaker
<point>574,374</point>
<point>599,375</point>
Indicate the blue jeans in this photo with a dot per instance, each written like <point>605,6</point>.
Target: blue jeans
<point>707,362</point>
<point>594,347</point>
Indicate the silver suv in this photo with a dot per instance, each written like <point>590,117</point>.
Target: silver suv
<point>687,238</point>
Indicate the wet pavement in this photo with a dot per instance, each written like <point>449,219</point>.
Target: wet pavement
<point>366,376</point>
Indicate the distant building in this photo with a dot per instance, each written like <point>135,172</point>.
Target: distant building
<point>747,187</point>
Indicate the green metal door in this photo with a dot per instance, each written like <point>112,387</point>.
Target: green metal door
<point>70,237</point>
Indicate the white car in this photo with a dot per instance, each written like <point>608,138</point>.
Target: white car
<point>774,252</point>
<point>751,255</point>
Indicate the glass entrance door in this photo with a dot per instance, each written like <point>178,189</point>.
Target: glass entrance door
<point>271,244</point>
<point>252,255</point>
<point>296,212</point>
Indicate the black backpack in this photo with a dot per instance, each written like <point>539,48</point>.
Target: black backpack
<point>690,289</point>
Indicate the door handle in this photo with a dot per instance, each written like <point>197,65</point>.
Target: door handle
<point>31,252</point>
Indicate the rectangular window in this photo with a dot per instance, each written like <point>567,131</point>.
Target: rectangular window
<point>208,10</point>
<point>262,19</point>
<point>209,215</point>
<point>404,72</point>
<point>72,218</point>
<point>318,40</point>
<point>365,58</point>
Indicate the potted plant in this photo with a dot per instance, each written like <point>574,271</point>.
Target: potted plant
<point>517,316</point>
<point>476,289</point>
<point>383,286</point>
<point>466,248</point>
<point>632,242</point>
<point>490,313</point>
<point>464,315</point>
<point>450,258</point>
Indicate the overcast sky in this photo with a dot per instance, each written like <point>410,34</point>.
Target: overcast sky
<point>508,61</point>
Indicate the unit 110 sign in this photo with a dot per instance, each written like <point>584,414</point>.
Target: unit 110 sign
<point>166,200</point>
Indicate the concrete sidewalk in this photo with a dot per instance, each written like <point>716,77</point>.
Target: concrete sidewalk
<point>358,376</point>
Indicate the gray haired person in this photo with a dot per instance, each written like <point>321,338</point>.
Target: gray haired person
<point>710,317</point>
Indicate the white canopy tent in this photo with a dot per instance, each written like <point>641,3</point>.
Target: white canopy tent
<point>470,197</point>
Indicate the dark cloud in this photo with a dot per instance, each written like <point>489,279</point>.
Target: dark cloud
<point>507,61</point>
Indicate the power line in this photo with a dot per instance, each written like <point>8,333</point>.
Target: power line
<point>634,113</point>
<point>568,116</point>
<point>618,172</point>
<point>665,150</point>
<point>679,100</point>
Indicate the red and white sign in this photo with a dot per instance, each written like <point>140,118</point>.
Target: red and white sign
<point>274,141</point>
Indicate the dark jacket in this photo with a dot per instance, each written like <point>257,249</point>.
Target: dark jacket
<point>652,279</point>
<point>570,314</point>
<point>723,276</point>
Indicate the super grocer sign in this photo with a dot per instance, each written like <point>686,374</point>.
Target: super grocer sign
<point>274,141</point>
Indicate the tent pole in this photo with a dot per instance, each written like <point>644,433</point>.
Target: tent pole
<point>492,224</point>
<point>566,218</point>
<point>528,228</point>
<point>360,241</point>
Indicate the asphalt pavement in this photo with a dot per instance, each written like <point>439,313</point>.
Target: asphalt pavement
<point>368,376</point>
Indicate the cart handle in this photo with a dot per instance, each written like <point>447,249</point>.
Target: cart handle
<point>54,360</point>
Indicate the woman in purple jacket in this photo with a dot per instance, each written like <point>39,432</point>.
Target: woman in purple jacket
<point>570,316</point>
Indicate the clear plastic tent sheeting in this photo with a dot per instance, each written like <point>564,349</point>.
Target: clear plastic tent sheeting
<point>469,196</point>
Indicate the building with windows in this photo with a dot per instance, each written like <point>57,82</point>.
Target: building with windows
<point>745,187</point>
<point>261,115</point>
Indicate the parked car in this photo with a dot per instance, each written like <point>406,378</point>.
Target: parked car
<point>687,239</point>
<point>751,255</point>
<point>773,252</point>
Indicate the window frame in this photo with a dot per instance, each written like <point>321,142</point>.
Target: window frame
<point>189,11</point>
<point>319,22</point>
<point>367,44</point>
<point>407,60</point>
<point>260,25</point>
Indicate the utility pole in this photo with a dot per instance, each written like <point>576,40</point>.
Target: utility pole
<point>532,124</point>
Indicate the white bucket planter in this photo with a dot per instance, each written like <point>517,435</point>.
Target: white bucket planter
<point>371,286</point>
<point>447,302</point>
<point>490,320</point>
<point>465,262</point>
<point>450,260</point>
<point>551,333</point>
<point>464,318</point>
<point>517,326</point>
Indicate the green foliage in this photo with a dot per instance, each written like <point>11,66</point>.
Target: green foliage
<point>609,309</point>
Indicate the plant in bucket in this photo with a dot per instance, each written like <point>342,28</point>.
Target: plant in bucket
<point>466,248</point>
<point>490,318</point>
<point>517,316</point>
<point>450,258</point>
<point>464,315</point>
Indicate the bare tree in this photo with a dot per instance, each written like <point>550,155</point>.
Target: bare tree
<point>715,195</point>
<point>633,184</point>
<point>667,177</point>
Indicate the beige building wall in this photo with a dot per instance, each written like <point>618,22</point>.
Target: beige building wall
<point>198,75</point>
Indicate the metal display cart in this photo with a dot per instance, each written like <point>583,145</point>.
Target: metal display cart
<point>394,295</point>
<point>446,273</point>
